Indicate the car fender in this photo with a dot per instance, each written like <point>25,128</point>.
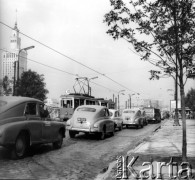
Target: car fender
<point>10,131</point>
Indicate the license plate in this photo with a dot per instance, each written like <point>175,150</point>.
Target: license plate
<point>81,120</point>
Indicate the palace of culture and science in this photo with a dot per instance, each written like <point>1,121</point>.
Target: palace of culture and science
<point>10,58</point>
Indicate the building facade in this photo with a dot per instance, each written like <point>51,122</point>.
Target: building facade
<point>10,58</point>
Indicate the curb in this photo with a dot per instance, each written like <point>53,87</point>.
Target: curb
<point>103,176</point>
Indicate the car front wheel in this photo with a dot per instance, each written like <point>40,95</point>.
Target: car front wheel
<point>72,134</point>
<point>58,144</point>
<point>20,147</point>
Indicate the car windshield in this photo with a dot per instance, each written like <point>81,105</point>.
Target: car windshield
<point>129,111</point>
<point>2,103</point>
<point>86,109</point>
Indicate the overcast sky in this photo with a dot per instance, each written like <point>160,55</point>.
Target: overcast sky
<point>75,28</point>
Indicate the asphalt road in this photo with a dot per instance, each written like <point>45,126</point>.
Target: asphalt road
<point>83,157</point>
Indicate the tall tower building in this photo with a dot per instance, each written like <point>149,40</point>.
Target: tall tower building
<point>11,57</point>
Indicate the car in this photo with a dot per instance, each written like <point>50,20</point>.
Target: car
<point>89,119</point>
<point>25,122</point>
<point>132,117</point>
<point>153,115</point>
<point>143,114</point>
<point>115,116</point>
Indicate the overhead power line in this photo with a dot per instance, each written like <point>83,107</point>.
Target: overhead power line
<point>51,67</point>
<point>70,58</point>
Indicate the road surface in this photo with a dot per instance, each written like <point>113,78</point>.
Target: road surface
<point>83,157</point>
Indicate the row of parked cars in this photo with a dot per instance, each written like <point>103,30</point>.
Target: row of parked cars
<point>100,120</point>
<point>25,122</point>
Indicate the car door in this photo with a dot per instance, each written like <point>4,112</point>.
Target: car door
<point>34,121</point>
<point>47,130</point>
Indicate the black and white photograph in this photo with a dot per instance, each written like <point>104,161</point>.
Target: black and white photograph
<point>97,89</point>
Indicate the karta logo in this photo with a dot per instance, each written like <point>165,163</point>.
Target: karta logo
<point>125,169</point>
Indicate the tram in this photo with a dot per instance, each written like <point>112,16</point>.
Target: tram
<point>68,103</point>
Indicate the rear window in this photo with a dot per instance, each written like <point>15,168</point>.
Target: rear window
<point>2,103</point>
<point>87,109</point>
<point>129,111</point>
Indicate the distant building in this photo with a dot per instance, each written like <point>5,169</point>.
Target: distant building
<point>10,56</point>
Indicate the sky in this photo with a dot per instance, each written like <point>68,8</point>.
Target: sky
<point>76,30</point>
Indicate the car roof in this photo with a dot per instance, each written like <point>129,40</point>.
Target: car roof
<point>97,107</point>
<point>13,101</point>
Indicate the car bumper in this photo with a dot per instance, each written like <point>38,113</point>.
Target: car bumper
<point>89,130</point>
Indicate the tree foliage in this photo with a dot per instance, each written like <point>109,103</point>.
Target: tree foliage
<point>32,85</point>
<point>169,26</point>
<point>6,84</point>
<point>162,32</point>
<point>190,99</point>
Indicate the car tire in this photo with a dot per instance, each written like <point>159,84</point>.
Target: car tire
<point>102,134</point>
<point>113,132</point>
<point>20,147</point>
<point>121,127</point>
<point>72,134</point>
<point>141,124</point>
<point>58,144</point>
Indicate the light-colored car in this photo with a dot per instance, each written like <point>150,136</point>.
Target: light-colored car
<point>153,115</point>
<point>25,122</point>
<point>115,116</point>
<point>132,117</point>
<point>91,119</point>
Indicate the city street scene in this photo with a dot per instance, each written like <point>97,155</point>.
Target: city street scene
<point>97,90</point>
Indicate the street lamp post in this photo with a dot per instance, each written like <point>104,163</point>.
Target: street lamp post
<point>130,95</point>
<point>118,98</point>
<point>18,62</point>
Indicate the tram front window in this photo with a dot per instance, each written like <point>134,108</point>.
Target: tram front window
<point>66,103</point>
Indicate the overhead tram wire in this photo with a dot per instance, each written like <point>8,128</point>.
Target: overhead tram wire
<point>70,58</point>
<point>59,70</point>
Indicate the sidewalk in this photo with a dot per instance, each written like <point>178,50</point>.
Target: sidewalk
<point>165,143</point>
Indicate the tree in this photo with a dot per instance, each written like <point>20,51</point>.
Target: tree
<point>162,33</point>
<point>190,99</point>
<point>32,85</point>
<point>7,90</point>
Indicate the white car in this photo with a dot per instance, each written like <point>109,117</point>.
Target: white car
<point>115,116</point>
<point>91,119</point>
<point>132,117</point>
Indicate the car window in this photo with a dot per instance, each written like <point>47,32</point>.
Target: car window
<point>86,109</point>
<point>44,113</point>
<point>31,109</point>
<point>104,112</point>
<point>116,114</point>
